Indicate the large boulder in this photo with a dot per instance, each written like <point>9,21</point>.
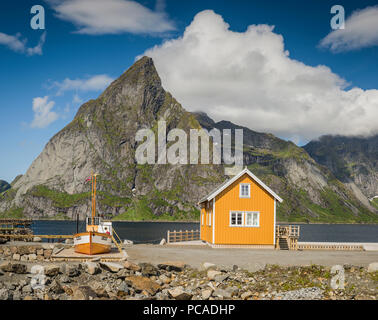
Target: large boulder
<point>211,274</point>
<point>206,294</point>
<point>208,265</point>
<point>131,266</point>
<point>52,270</point>
<point>172,266</point>
<point>83,293</point>
<point>111,266</point>
<point>56,287</point>
<point>18,268</point>
<point>179,294</point>
<point>373,267</point>
<point>71,270</point>
<point>148,269</point>
<point>92,267</point>
<point>140,283</point>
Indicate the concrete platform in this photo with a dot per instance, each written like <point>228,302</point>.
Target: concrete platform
<point>70,255</point>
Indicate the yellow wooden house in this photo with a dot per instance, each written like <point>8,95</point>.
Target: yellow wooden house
<point>240,212</point>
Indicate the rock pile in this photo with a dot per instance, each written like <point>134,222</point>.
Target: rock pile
<point>175,280</point>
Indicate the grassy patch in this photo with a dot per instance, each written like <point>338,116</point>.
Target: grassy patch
<point>14,213</point>
<point>59,199</point>
<point>59,216</point>
<point>375,203</point>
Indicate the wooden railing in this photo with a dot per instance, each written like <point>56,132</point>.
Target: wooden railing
<point>117,240</point>
<point>287,231</point>
<point>186,235</point>
<point>287,237</point>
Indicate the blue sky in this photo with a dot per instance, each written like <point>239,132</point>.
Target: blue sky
<point>77,60</point>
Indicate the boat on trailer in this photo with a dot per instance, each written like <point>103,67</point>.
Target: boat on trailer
<point>98,236</point>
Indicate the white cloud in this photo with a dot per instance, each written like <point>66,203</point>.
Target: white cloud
<point>112,16</point>
<point>43,114</point>
<point>249,78</point>
<point>361,31</point>
<point>77,99</point>
<point>94,83</point>
<point>17,44</point>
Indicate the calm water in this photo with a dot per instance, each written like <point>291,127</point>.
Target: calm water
<point>153,232</point>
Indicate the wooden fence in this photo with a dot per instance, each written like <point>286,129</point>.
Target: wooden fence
<point>186,235</point>
<point>330,246</point>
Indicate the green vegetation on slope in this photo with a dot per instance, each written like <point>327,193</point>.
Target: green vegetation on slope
<point>298,206</point>
<point>141,211</point>
<point>375,203</point>
<point>59,199</point>
<point>14,213</point>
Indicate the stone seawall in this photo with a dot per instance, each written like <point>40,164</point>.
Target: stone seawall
<point>30,252</point>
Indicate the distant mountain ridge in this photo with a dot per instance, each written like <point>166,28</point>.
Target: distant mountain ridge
<point>4,186</point>
<point>101,137</point>
<point>353,160</point>
<point>311,191</point>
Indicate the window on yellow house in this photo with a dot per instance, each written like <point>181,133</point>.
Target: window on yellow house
<point>236,219</point>
<point>245,190</point>
<point>252,219</point>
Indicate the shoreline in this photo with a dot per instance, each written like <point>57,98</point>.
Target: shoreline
<point>197,221</point>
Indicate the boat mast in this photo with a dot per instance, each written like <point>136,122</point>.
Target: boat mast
<point>94,196</point>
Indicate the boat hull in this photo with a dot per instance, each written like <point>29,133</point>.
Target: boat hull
<point>92,243</point>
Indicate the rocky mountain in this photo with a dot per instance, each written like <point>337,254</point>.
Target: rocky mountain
<point>4,186</point>
<point>353,160</point>
<point>310,190</point>
<point>101,137</point>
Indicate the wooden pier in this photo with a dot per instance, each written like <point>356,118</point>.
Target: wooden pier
<point>20,230</point>
<point>69,254</point>
<point>16,229</point>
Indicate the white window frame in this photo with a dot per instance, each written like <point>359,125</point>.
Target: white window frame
<point>241,188</point>
<point>242,218</point>
<point>210,219</point>
<point>258,219</point>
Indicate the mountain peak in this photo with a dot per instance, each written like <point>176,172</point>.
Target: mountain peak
<point>141,72</point>
<point>140,78</point>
